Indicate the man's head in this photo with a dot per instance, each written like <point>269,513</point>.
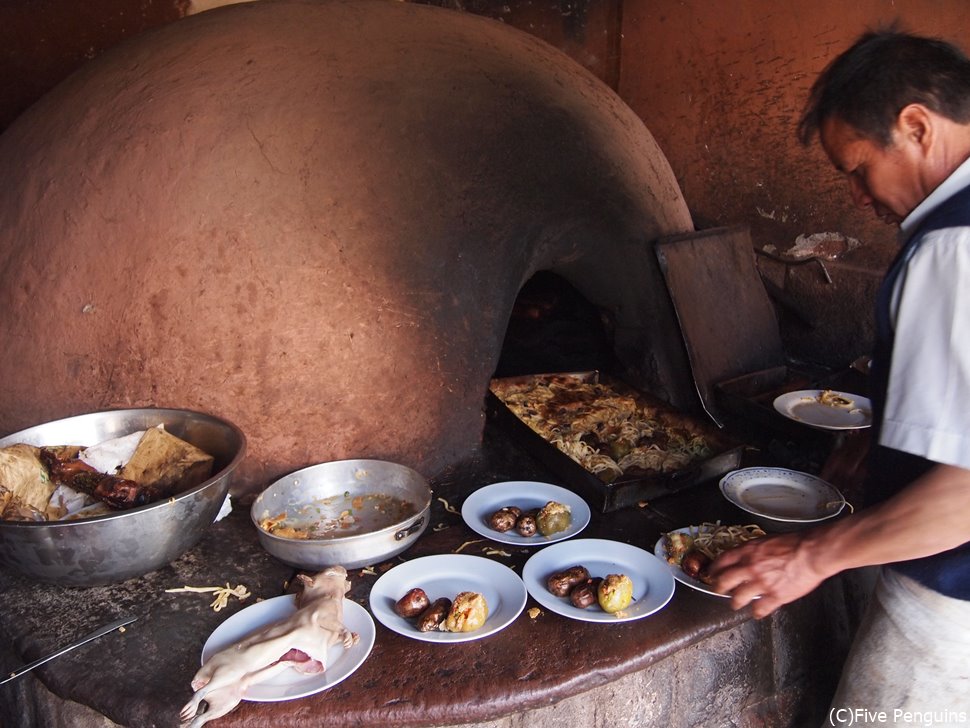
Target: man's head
<point>893,114</point>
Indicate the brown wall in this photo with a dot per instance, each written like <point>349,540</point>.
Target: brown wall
<point>719,83</point>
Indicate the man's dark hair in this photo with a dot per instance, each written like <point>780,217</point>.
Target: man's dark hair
<point>868,85</point>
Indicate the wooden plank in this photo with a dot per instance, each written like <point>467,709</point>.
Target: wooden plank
<point>726,317</point>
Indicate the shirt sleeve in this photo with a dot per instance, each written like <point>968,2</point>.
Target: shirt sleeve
<point>928,397</point>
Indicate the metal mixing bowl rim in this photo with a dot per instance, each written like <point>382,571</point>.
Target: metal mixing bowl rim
<point>423,510</point>
<point>229,467</point>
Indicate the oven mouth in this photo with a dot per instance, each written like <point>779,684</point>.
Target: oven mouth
<point>553,327</point>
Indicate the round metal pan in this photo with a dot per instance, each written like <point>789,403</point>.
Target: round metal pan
<point>350,513</point>
<point>128,543</point>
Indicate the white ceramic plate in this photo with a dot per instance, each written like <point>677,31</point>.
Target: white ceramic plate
<point>288,685</point>
<point>653,584</point>
<point>445,576</point>
<point>779,494</point>
<point>803,406</point>
<point>525,494</point>
<point>675,571</point>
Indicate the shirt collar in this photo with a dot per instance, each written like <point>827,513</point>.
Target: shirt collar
<point>958,179</point>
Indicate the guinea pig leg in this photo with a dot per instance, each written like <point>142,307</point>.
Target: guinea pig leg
<point>223,696</point>
<point>218,702</point>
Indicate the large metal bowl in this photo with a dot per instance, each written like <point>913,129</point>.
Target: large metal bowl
<point>115,547</point>
<point>311,493</point>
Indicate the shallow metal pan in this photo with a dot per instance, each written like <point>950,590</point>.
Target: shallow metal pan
<point>390,506</point>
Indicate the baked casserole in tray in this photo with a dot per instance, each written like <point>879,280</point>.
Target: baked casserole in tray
<point>608,441</point>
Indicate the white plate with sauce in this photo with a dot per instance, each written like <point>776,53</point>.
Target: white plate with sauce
<point>851,412</point>
<point>525,495</point>
<point>779,496</point>
<point>290,684</point>
<point>447,575</point>
<point>653,584</point>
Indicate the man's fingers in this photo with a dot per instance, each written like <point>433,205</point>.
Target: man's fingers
<point>765,606</point>
<point>726,561</point>
<point>726,577</point>
<point>743,594</point>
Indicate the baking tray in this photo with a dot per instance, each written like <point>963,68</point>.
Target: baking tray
<point>626,490</point>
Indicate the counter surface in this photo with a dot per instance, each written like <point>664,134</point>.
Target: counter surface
<point>141,677</point>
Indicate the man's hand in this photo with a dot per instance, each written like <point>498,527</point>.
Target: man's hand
<point>767,573</point>
<point>927,517</point>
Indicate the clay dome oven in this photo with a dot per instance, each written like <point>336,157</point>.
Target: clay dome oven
<point>313,219</point>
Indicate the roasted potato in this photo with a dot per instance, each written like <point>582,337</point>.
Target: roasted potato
<point>620,449</point>
<point>468,612</point>
<point>412,603</point>
<point>562,582</point>
<point>434,616</point>
<point>583,595</point>
<point>695,565</point>
<point>552,518</point>
<point>615,592</point>
<point>526,525</point>
<point>503,520</point>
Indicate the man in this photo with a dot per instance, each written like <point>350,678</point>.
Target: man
<point>893,114</point>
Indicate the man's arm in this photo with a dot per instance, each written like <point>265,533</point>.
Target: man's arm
<point>929,516</point>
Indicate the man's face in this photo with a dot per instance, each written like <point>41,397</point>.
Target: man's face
<point>887,179</point>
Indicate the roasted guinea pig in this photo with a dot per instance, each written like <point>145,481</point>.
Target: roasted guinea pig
<point>116,492</point>
<point>300,641</point>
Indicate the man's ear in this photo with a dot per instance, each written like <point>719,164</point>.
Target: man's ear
<point>915,124</point>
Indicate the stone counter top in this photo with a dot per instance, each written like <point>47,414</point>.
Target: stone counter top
<point>141,677</point>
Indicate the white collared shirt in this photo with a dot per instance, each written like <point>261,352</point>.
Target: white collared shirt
<point>928,397</point>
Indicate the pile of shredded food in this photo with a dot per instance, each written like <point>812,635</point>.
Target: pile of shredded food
<point>608,432</point>
<point>713,539</point>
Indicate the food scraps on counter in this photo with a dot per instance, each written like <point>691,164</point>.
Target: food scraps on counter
<point>552,518</point>
<point>69,482</point>
<point>466,613</point>
<point>695,550</point>
<point>222,594</point>
<point>612,593</point>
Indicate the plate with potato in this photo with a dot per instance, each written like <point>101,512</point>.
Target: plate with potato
<point>448,598</point>
<point>525,513</point>
<point>598,580</point>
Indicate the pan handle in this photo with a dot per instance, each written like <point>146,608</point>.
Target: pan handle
<point>405,532</point>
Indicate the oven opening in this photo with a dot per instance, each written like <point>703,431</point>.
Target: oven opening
<point>554,328</point>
